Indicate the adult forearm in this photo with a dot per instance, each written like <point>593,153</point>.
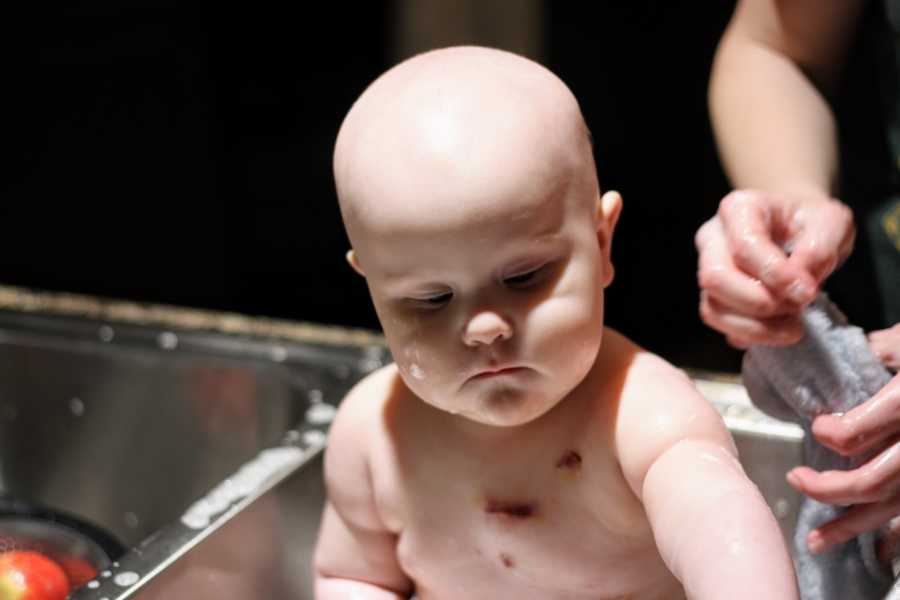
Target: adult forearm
<point>774,129</point>
<point>333,588</point>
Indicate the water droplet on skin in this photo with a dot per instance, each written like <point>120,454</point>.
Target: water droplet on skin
<point>416,372</point>
<point>76,407</point>
<point>126,578</point>
<point>167,340</point>
<point>320,414</point>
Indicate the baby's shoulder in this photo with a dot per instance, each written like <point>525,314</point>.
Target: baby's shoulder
<point>659,405</point>
<point>362,406</point>
<point>646,378</point>
<point>358,423</point>
<point>637,374</point>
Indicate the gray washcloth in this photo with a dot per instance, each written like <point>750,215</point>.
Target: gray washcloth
<point>830,370</point>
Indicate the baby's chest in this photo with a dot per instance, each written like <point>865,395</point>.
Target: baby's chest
<point>568,529</point>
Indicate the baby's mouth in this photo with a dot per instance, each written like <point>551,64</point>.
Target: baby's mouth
<point>492,372</point>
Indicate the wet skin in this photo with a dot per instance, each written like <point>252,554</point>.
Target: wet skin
<point>524,513</point>
<point>517,448</point>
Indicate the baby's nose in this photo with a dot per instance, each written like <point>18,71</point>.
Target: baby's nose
<point>485,328</point>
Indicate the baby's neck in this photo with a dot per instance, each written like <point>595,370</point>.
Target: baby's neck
<point>486,434</point>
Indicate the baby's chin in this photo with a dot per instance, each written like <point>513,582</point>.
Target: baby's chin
<point>505,408</point>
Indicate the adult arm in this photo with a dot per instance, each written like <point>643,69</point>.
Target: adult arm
<point>777,140</point>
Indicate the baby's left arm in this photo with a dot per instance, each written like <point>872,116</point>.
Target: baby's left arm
<point>712,526</point>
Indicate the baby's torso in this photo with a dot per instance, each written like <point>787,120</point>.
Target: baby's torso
<point>546,516</point>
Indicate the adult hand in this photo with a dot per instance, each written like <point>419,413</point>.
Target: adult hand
<point>886,346</point>
<point>871,429</point>
<point>763,258</point>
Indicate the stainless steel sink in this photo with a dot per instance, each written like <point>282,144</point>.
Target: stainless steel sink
<point>197,443</point>
<point>184,444</point>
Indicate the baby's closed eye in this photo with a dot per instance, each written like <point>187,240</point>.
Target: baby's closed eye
<point>528,277</point>
<point>432,301</point>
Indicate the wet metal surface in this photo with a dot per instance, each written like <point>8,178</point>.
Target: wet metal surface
<point>171,441</point>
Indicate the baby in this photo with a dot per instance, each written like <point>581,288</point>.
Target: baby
<point>517,448</point>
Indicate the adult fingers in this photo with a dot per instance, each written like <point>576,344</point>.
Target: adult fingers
<point>752,228</point>
<point>885,343</point>
<point>857,520</point>
<point>744,331</point>
<point>821,236</point>
<point>875,481</point>
<point>867,426</point>
<point>721,279</point>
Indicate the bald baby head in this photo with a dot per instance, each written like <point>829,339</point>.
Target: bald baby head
<point>455,134</point>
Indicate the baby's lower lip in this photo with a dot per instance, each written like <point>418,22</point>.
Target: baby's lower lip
<point>498,373</point>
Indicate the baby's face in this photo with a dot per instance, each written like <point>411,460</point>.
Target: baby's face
<point>469,193</point>
<point>492,309</point>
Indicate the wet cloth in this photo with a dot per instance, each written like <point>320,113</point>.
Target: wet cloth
<point>830,370</point>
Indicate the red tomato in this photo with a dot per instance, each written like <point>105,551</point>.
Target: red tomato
<point>78,570</point>
<point>27,575</point>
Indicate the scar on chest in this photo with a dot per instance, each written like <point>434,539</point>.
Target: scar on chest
<point>570,460</point>
<point>511,509</point>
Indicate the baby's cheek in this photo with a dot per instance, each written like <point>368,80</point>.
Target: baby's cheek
<point>424,364</point>
<point>571,327</point>
<point>412,361</point>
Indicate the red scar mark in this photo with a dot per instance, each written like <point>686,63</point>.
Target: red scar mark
<point>569,460</point>
<point>516,510</point>
<point>507,560</point>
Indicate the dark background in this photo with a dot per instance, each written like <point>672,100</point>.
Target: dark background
<point>167,153</point>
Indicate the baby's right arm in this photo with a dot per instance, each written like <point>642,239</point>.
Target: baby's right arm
<point>355,553</point>
<point>712,527</point>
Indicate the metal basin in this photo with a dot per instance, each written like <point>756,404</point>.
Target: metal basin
<point>199,450</point>
<point>180,443</point>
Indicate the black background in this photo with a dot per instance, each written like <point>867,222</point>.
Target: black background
<point>168,153</point>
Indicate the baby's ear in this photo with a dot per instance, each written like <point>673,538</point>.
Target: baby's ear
<point>606,216</point>
<point>353,261</point>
